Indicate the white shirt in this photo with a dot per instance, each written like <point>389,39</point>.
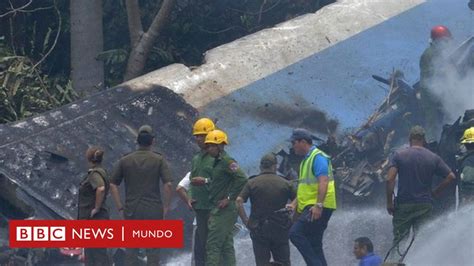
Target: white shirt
<point>185,182</point>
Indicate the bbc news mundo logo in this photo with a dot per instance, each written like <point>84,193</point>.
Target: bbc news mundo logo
<point>40,233</point>
<point>96,233</point>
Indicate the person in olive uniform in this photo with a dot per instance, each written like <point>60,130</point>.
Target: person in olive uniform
<point>198,197</point>
<point>227,180</point>
<point>142,171</point>
<point>92,194</point>
<point>268,225</point>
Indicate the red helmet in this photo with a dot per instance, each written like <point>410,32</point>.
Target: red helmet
<point>440,31</point>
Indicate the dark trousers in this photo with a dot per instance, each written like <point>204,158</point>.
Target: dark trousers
<point>96,256</point>
<point>307,236</point>
<point>272,241</point>
<point>152,254</point>
<point>200,237</point>
<point>408,215</point>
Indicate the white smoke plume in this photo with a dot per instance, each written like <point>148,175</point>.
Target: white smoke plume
<point>448,240</point>
<point>453,85</point>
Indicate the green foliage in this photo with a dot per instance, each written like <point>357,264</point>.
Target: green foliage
<point>194,27</point>
<point>115,61</point>
<point>24,91</point>
<point>31,34</point>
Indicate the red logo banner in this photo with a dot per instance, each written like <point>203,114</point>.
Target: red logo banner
<point>96,233</point>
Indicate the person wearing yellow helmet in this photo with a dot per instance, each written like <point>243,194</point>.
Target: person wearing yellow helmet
<point>198,185</point>
<point>227,182</point>
<point>201,127</point>
<point>466,167</point>
<point>468,136</point>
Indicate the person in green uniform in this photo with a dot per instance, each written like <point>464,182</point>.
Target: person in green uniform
<point>92,194</point>
<point>268,224</point>
<point>466,168</point>
<point>142,171</point>
<point>227,180</point>
<point>433,62</point>
<point>198,197</point>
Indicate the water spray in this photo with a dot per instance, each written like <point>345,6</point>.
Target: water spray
<point>396,245</point>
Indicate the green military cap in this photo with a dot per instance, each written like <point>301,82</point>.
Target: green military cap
<point>145,129</point>
<point>417,132</point>
<point>268,160</point>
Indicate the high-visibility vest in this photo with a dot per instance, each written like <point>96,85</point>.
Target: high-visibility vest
<point>308,184</point>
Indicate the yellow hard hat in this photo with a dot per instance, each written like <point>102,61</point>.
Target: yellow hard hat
<point>216,137</point>
<point>203,126</point>
<point>468,136</point>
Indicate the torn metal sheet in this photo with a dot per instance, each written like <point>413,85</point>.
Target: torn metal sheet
<point>44,156</point>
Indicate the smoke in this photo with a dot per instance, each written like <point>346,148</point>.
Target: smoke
<point>344,226</point>
<point>448,240</point>
<point>453,80</point>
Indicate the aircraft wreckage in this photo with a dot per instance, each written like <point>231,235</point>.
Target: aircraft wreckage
<point>42,158</point>
<point>360,159</point>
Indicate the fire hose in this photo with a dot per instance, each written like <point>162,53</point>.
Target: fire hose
<point>396,245</point>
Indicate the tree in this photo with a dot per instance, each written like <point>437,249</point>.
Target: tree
<point>140,41</point>
<point>35,42</point>
<point>28,83</point>
<point>87,72</point>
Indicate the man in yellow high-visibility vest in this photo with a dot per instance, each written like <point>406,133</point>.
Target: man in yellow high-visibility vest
<point>315,200</point>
